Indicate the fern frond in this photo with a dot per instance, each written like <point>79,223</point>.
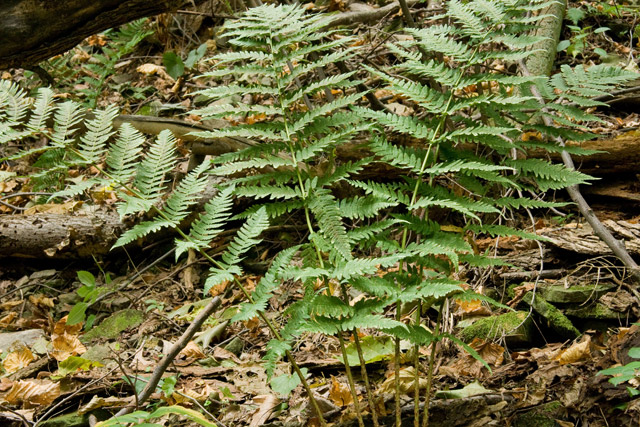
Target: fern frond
<point>93,143</point>
<point>204,229</point>
<point>151,175</point>
<point>66,116</point>
<point>123,154</point>
<point>42,110</point>
<point>265,287</point>
<point>327,212</point>
<point>246,237</point>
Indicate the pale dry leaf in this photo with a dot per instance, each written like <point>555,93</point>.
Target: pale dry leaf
<point>407,381</point>
<point>192,351</point>
<point>65,340</point>
<point>149,69</point>
<point>97,402</point>
<point>578,352</point>
<point>32,393</point>
<point>17,359</point>
<point>267,402</point>
<point>65,346</point>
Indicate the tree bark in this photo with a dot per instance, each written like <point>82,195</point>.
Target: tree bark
<point>58,235</point>
<point>35,30</point>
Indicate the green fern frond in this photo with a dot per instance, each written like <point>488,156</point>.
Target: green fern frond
<point>66,116</point>
<point>122,157</point>
<point>14,102</point>
<point>175,209</point>
<point>151,175</point>
<point>42,110</point>
<point>362,207</point>
<point>266,286</point>
<point>204,229</point>
<point>327,212</point>
<point>93,143</point>
<point>246,237</point>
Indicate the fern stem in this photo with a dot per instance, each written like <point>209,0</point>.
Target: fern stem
<point>416,367</point>
<point>396,368</point>
<point>363,365</point>
<point>432,358</point>
<point>365,376</point>
<point>352,385</point>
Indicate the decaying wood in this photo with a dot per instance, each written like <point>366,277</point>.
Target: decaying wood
<point>619,155</point>
<point>77,235</point>
<point>580,238</point>
<point>58,235</point>
<point>33,31</point>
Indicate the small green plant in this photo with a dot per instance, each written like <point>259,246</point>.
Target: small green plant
<point>176,66</point>
<point>95,72</point>
<point>89,292</point>
<point>144,418</point>
<point>626,373</point>
<point>577,43</point>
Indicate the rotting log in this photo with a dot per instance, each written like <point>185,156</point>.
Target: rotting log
<point>35,30</point>
<point>58,235</point>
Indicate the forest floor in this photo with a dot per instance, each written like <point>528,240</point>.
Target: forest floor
<point>576,306</point>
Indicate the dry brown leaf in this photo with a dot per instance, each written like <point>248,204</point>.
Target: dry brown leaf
<point>41,301</point>
<point>340,393</point>
<point>97,402</point>
<point>32,393</point>
<point>54,208</point>
<point>578,352</point>
<point>65,346</point>
<point>221,354</point>
<point>267,402</point>
<point>17,359</point>
<point>65,340</point>
<point>5,384</point>
<point>149,69</point>
<point>199,391</point>
<point>8,305</point>
<point>61,327</point>
<point>490,352</point>
<point>407,381</point>
<point>192,351</point>
<point>8,319</point>
<point>467,365</point>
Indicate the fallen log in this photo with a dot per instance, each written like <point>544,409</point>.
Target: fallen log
<point>32,31</point>
<point>59,235</point>
<point>619,155</point>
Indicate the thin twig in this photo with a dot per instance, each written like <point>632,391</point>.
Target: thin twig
<point>172,353</point>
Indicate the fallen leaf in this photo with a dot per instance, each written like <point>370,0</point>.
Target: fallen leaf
<point>65,340</point>
<point>32,393</point>
<point>340,393</point>
<point>267,402</point>
<point>192,351</point>
<point>17,359</point>
<point>576,353</point>
<point>97,402</point>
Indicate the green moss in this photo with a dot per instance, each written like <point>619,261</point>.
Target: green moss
<point>534,419</point>
<point>595,311</point>
<point>543,416</point>
<point>574,294</point>
<point>515,326</point>
<point>113,325</point>
<point>69,420</point>
<point>554,317</point>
